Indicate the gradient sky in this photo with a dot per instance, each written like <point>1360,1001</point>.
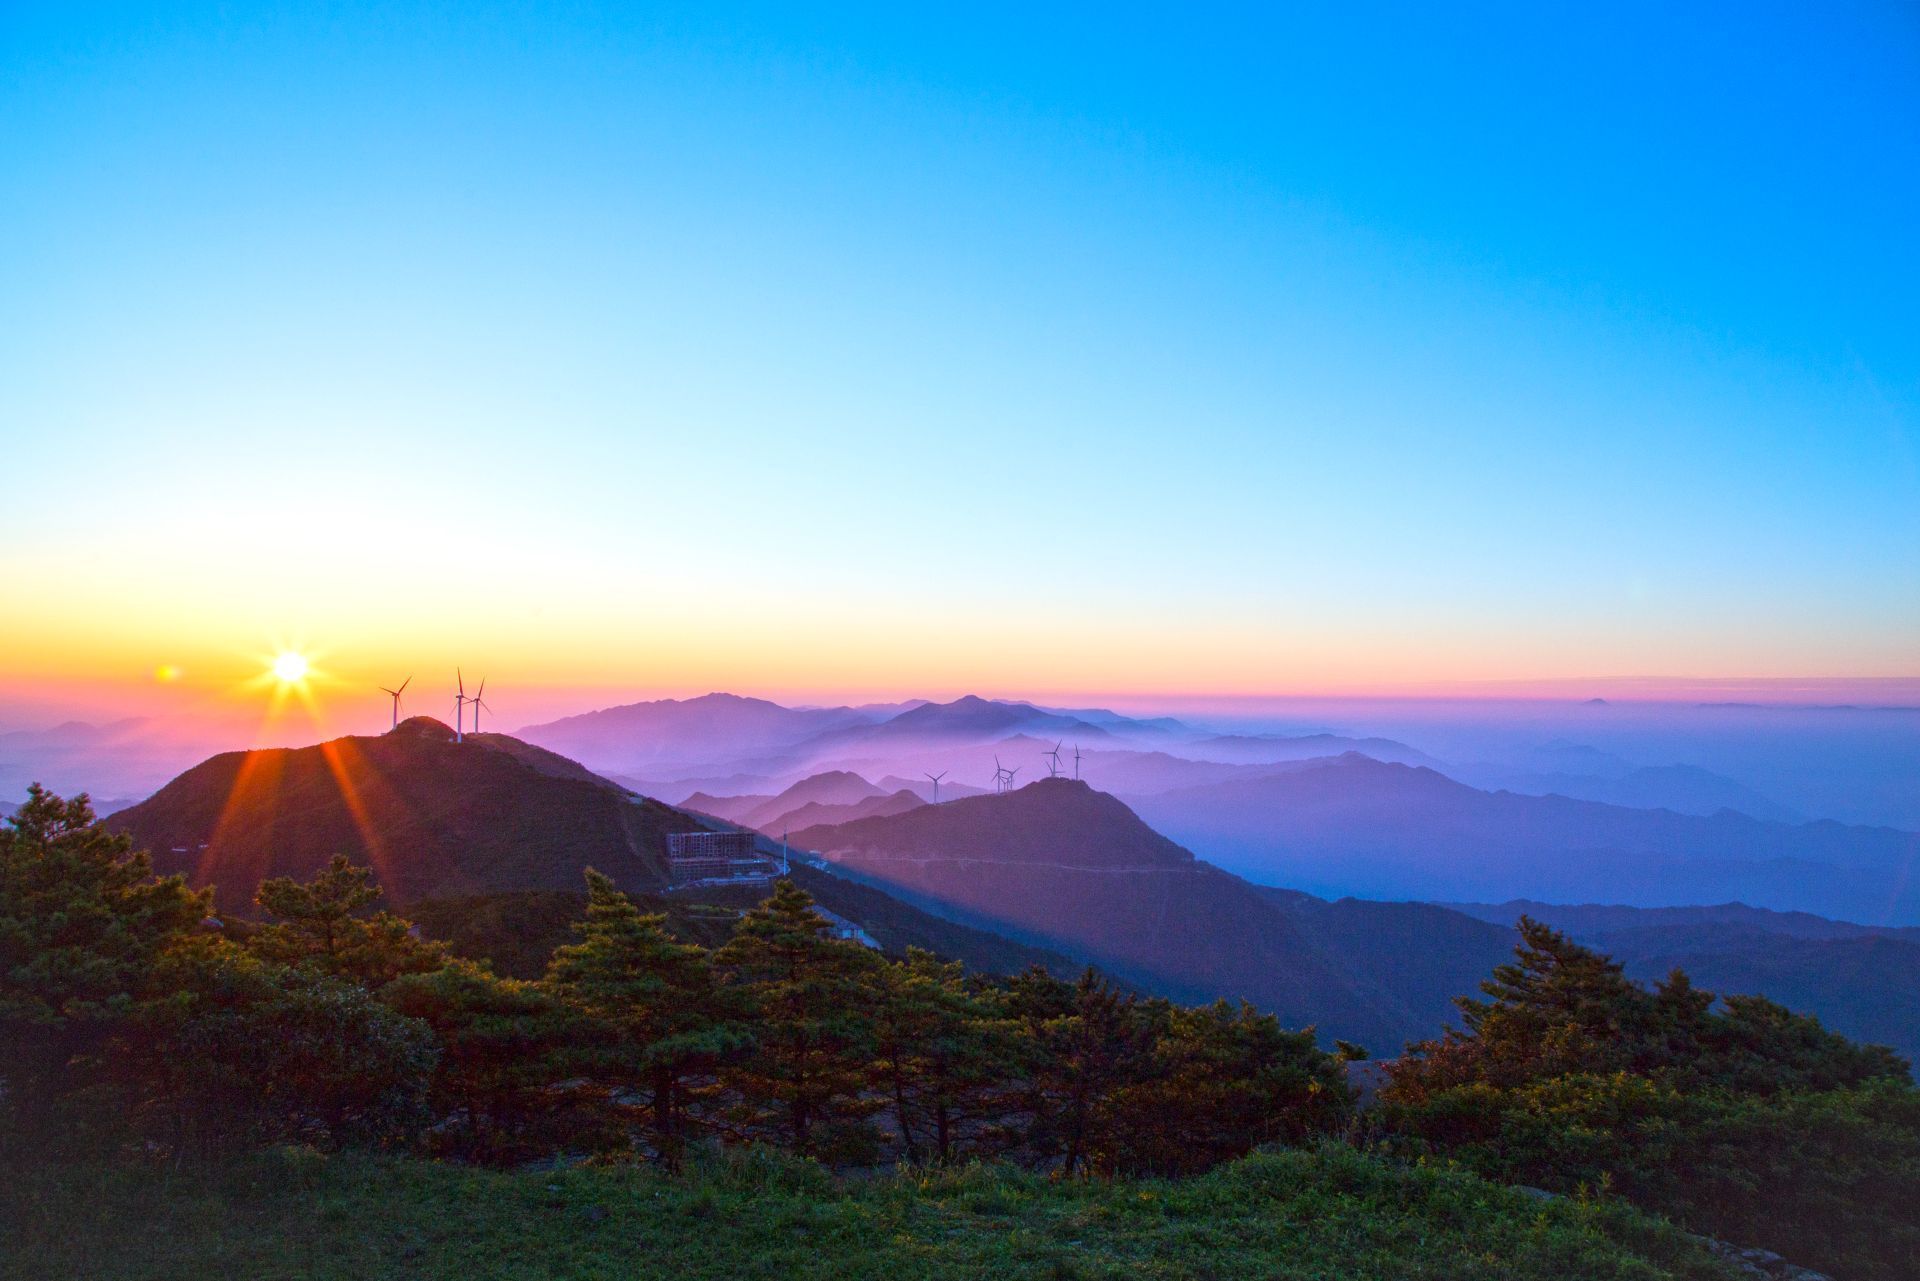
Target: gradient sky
<point>911,351</point>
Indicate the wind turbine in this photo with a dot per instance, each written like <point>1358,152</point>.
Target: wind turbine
<point>1053,761</point>
<point>936,784</point>
<point>1010,774</point>
<point>1076,762</point>
<point>459,704</point>
<point>396,698</point>
<point>1001,776</point>
<point>477,704</point>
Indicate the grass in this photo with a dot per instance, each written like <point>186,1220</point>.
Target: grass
<point>1286,1216</point>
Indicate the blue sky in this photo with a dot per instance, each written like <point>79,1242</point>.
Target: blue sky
<point>1225,348</point>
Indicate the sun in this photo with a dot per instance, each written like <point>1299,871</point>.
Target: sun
<point>290,668</point>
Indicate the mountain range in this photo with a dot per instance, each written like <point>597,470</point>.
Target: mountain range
<point>1060,870</point>
<point>1586,773</point>
<point>1351,824</point>
<point>1054,873</point>
<point>129,757</point>
<point>638,738</point>
<point>660,743</point>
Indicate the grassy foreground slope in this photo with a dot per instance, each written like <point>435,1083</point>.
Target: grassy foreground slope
<point>1332,1213</point>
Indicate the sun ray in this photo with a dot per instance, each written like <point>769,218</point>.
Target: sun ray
<point>345,759</point>
<point>257,777</point>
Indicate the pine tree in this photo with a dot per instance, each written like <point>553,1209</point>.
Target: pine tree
<point>660,1015</point>
<point>1557,1007</point>
<point>1092,1042</point>
<point>499,1040</point>
<point>1757,1046</point>
<point>812,996</point>
<point>944,1054</point>
<point>246,1049</point>
<point>82,920</point>
<point>320,924</point>
<point>1225,1079</point>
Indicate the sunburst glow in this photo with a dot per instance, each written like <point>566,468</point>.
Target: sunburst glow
<point>290,668</point>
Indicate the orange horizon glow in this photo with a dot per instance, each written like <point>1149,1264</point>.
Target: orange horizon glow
<point>811,660</point>
<point>246,690</point>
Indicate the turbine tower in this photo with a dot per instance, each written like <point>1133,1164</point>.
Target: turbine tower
<point>477,704</point>
<point>936,784</point>
<point>1053,761</point>
<point>459,704</point>
<point>1076,762</point>
<point>396,698</point>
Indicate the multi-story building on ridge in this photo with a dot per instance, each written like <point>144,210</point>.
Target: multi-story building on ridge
<point>718,858</point>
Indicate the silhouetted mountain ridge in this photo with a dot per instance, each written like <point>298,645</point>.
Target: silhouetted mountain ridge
<point>1054,821</point>
<point>1062,865</point>
<point>434,818</point>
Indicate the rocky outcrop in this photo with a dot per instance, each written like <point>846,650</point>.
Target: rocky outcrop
<point>1762,1265</point>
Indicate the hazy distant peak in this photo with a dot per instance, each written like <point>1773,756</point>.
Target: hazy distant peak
<point>1256,748</point>
<point>839,784</point>
<point>972,715</point>
<point>78,731</point>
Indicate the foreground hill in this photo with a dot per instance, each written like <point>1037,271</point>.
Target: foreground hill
<point>1359,826</point>
<point>1285,1216</point>
<point>434,818</point>
<point>1062,865</point>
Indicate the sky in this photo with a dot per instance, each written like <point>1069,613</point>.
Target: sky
<point>909,350</point>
